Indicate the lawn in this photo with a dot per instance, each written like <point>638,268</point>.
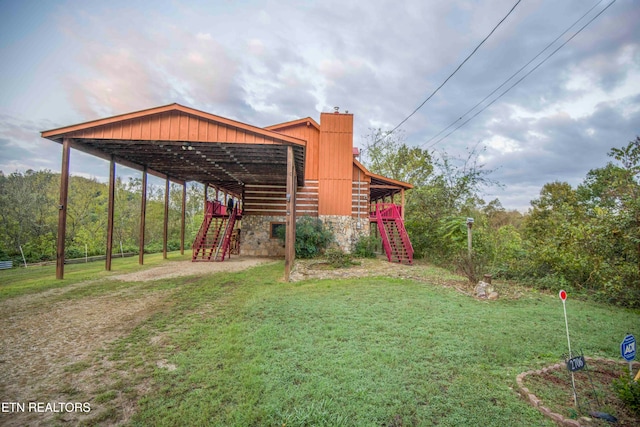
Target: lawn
<point>242,349</point>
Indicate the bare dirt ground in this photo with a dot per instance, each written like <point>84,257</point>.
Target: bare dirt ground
<point>43,335</point>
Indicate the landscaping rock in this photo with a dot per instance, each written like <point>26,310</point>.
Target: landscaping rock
<point>481,289</point>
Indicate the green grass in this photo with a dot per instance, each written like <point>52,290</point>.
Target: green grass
<point>252,350</point>
<point>21,281</point>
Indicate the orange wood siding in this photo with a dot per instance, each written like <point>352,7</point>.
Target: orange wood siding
<point>307,130</point>
<point>178,126</point>
<point>335,162</point>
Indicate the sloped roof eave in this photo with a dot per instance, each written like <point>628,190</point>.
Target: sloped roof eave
<point>58,133</point>
<point>305,121</point>
<point>367,172</point>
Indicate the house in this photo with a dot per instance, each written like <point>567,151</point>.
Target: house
<point>273,174</point>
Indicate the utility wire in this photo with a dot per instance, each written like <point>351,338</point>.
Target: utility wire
<point>513,75</point>
<point>523,77</point>
<point>455,71</point>
<point>386,134</point>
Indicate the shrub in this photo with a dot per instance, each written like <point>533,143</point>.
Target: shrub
<point>312,237</point>
<point>338,259</point>
<point>366,246</point>
<point>629,392</point>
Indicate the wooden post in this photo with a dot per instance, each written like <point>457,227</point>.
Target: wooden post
<point>143,215</point>
<point>206,196</point>
<point>183,219</point>
<point>402,198</point>
<point>165,225</point>
<point>62,207</point>
<point>110,211</point>
<point>290,241</point>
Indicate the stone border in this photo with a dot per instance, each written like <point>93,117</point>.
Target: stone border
<point>537,403</point>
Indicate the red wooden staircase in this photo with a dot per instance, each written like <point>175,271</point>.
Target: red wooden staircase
<point>395,239</point>
<point>213,241</point>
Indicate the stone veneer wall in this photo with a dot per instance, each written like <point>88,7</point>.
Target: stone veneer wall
<point>345,230</point>
<point>255,238</point>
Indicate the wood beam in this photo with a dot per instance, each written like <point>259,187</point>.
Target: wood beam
<point>290,230</point>
<point>62,207</point>
<point>105,156</point>
<point>110,211</point>
<point>206,195</point>
<point>387,187</point>
<point>165,225</point>
<point>183,219</point>
<point>143,215</point>
<point>402,201</point>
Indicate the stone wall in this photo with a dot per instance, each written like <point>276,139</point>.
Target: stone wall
<point>345,230</point>
<point>255,238</point>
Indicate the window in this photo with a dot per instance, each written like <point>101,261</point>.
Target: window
<point>277,230</point>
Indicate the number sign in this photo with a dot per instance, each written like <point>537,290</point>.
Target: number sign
<point>576,363</point>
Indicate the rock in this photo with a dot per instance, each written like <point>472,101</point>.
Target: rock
<point>481,289</point>
<point>493,295</point>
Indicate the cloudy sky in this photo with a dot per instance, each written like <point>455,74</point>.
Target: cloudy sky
<point>265,62</point>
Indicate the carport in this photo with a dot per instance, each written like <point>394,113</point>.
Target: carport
<point>180,144</point>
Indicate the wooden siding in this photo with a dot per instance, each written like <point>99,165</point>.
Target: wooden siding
<point>264,200</point>
<point>172,122</point>
<point>335,164</point>
<point>272,199</point>
<point>307,201</point>
<point>360,199</point>
<point>308,130</point>
<point>173,126</point>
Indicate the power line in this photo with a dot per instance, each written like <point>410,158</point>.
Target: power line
<point>513,75</point>
<point>455,71</point>
<point>446,80</point>
<point>521,79</point>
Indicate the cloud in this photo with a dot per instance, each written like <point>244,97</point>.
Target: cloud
<point>379,59</point>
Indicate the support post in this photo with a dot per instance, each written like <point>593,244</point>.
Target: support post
<point>110,211</point>
<point>62,207</point>
<point>143,215</point>
<point>165,225</point>
<point>183,219</point>
<point>206,196</point>
<point>402,198</point>
<point>290,242</point>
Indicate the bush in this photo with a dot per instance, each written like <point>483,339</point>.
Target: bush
<point>629,392</point>
<point>338,259</point>
<point>312,237</point>
<point>473,268</point>
<point>366,246</point>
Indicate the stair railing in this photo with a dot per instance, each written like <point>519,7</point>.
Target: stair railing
<point>403,233</point>
<point>226,241</point>
<point>199,241</point>
<point>383,233</point>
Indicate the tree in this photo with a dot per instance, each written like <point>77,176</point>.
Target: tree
<point>387,154</point>
<point>28,214</point>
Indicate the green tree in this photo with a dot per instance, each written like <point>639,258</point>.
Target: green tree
<point>28,213</point>
<point>388,155</point>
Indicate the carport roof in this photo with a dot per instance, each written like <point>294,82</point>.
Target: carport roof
<point>186,144</point>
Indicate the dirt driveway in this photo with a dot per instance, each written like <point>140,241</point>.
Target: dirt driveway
<point>43,335</point>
